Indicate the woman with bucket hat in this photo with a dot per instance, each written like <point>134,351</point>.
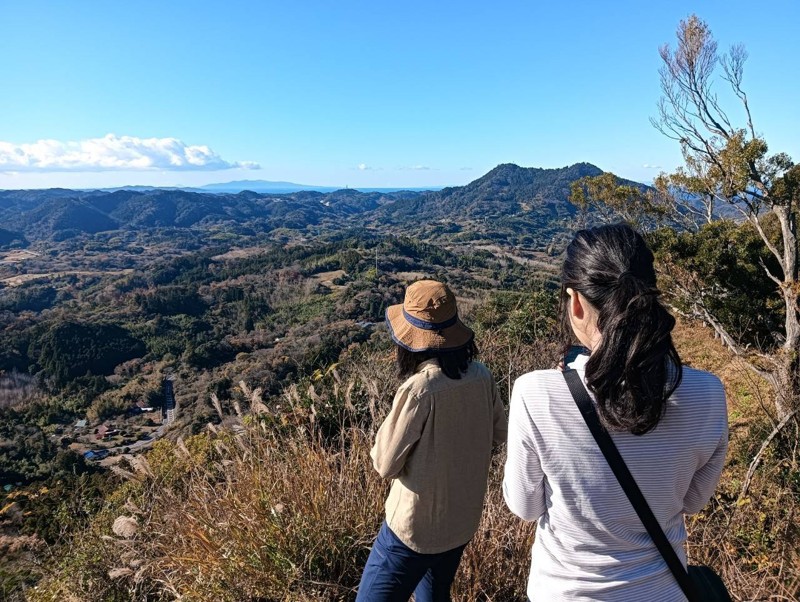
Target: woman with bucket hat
<point>436,445</point>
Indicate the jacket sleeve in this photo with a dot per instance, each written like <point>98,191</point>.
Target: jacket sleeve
<point>523,478</point>
<point>500,430</point>
<point>399,432</point>
<point>705,480</point>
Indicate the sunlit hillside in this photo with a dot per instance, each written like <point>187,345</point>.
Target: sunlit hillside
<point>280,501</point>
<point>187,410</point>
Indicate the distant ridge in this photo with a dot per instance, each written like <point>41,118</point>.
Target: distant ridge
<point>524,206</point>
<point>509,203</point>
<point>263,186</point>
<point>259,186</point>
<point>269,187</point>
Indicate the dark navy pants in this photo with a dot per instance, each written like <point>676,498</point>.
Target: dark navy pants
<point>394,571</point>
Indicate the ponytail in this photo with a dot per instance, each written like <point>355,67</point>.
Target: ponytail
<point>635,368</point>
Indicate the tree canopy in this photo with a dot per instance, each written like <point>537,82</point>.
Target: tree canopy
<point>735,265</point>
<point>69,349</point>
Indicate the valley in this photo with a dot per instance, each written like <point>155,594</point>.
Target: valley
<point>265,314</point>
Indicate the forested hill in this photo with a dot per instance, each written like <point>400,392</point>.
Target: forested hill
<point>508,189</point>
<point>58,214</point>
<point>9,238</point>
<point>522,206</point>
<point>512,199</point>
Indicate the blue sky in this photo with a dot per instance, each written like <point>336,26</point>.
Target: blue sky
<point>358,94</point>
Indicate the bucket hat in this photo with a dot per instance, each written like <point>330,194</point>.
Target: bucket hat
<point>427,320</point>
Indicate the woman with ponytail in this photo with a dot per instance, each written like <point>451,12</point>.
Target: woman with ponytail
<point>669,423</point>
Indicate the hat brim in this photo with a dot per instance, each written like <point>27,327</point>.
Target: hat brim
<point>417,339</point>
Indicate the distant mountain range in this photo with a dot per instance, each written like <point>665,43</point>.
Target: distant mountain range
<point>508,203</point>
<point>261,186</point>
<point>58,214</point>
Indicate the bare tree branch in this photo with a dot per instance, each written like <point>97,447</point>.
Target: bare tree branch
<point>770,275</point>
<point>757,459</point>
<point>773,249</point>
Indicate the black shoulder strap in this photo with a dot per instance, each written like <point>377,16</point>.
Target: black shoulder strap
<point>627,482</point>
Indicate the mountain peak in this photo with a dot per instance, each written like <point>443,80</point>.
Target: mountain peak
<point>577,170</point>
<point>525,199</point>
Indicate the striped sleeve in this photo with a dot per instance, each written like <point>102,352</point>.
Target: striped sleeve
<point>523,478</point>
<point>705,480</point>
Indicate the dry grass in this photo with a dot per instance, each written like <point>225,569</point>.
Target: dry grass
<point>283,504</point>
<point>277,507</point>
<point>753,540</point>
<point>284,516</point>
<point>746,392</point>
<point>292,518</point>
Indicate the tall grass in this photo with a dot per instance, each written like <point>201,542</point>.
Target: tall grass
<point>266,516</point>
<point>752,538</point>
<point>282,504</point>
<point>287,515</point>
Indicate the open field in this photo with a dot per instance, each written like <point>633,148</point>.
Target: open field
<point>21,279</point>
<point>17,256</point>
<point>327,278</point>
<point>239,253</point>
<point>412,276</point>
<point>535,259</point>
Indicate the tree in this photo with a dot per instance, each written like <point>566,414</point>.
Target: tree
<point>68,350</point>
<point>729,166</point>
<point>728,173</point>
<point>610,200</point>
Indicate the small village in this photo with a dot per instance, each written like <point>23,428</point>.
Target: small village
<point>109,441</point>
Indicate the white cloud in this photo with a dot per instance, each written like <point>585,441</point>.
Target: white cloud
<point>112,152</point>
<point>363,167</point>
<point>649,166</point>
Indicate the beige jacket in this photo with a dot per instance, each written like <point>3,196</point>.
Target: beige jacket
<point>436,443</point>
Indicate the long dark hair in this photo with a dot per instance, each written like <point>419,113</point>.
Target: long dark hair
<point>454,363</point>
<point>635,368</point>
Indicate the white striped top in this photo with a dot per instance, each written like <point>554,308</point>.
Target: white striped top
<point>590,544</point>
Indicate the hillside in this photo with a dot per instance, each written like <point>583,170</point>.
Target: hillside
<point>279,501</point>
<point>9,239</point>
<point>262,488</point>
<point>506,190</point>
<point>264,313</point>
<point>58,215</point>
<point>521,206</point>
<point>510,203</point>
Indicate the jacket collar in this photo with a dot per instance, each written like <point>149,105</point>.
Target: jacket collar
<point>579,363</point>
<point>427,365</point>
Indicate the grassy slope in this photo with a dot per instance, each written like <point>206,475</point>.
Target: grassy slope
<point>752,539</point>
<point>278,513</point>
